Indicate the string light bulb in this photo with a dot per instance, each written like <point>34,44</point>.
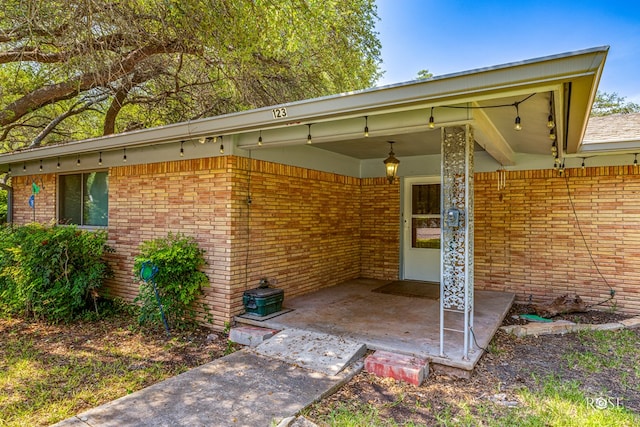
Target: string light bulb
<point>550,122</point>
<point>58,164</point>
<point>221,145</point>
<point>202,140</point>
<point>181,148</point>
<point>432,122</point>
<point>635,161</point>
<point>40,169</point>
<point>78,161</point>
<point>552,134</point>
<point>9,171</point>
<point>554,148</point>
<point>517,124</point>
<point>124,155</point>
<point>24,167</point>
<point>366,126</point>
<point>100,159</point>
<point>309,141</point>
<point>582,166</point>
<point>260,140</point>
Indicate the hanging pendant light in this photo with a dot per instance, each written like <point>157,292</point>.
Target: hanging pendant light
<point>309,141</point>
<point>366,126</point>
<point>260,140</point>
<point>100,159</point>
<point>181,148</point>
<point>391,164</point>
<point>124,155</point>
<point>221,145</point>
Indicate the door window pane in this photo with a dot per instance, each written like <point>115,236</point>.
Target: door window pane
<point>426,199</point>
<point>425,233</point>
<point>425,216</point>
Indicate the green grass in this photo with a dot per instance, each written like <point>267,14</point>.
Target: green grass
<point>606,350</point>
<point>47,375</point>
<point>556,403</point>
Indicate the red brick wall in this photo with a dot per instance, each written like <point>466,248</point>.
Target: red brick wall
<point>302,228</point>
<point>310,229</point>
<point>45,200</point>
<point>380,229</point>
<point>527,239</point>
<point>306,229</point>
<point>188,196</point>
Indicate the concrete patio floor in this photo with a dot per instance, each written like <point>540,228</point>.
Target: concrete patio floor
<point>400,324</point>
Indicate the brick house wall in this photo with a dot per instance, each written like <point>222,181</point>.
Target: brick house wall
<point>310,229</point>
<point>45,200</point>
<point>302,227</point>
<point>380,229</point>
<point>527,239</point>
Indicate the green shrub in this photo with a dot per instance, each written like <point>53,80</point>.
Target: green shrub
<point>178,280</point>
<point>3,206</point>
<point>51,272</point>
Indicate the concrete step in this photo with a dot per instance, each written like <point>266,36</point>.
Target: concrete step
<point>250,335</point>
<point>314,351</point>
<point>397,366</point>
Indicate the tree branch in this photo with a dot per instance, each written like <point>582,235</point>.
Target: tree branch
<point>55,122</point>
<point>31,55</point>
<point>119,98</point>
<point>66,90</point>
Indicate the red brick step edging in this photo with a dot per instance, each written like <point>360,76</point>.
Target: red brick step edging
<point>401,367</point>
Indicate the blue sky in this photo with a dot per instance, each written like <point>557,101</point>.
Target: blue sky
<point>448,36</point>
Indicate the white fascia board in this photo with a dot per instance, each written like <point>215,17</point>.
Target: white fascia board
<point>612,147</point>
<point>452,88</point>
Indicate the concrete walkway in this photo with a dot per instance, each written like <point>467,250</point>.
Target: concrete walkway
<point>243,389</point>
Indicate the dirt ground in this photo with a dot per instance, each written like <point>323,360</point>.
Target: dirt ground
<point>513,363</point>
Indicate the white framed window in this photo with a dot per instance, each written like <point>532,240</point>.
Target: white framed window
<point>84,199</point>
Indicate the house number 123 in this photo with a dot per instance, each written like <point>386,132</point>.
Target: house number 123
<point>279,113</point>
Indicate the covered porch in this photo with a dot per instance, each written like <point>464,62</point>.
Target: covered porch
<point>395,323</point>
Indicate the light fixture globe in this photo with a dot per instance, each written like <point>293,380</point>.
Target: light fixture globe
<point>391,165</point>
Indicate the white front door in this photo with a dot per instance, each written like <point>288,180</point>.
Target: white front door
<point>421,228</point>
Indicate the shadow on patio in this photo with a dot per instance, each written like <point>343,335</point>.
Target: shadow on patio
<point>400,324</point>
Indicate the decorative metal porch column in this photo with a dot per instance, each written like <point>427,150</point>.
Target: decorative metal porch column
<point>456,263</point>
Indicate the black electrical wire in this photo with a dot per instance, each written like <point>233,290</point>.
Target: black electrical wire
<point>482,107</point>
<point>246,256</point>
<point>612,291</point>
<point>473,334</point>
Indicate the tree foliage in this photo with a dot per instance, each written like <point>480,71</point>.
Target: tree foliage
<point>74,69</point>
<point>424,74</point>
<point>607,104</point>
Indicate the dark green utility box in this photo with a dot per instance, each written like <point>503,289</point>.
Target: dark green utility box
<point>263,301</point>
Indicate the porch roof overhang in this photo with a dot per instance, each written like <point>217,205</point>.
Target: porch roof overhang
<point>563,85</point>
